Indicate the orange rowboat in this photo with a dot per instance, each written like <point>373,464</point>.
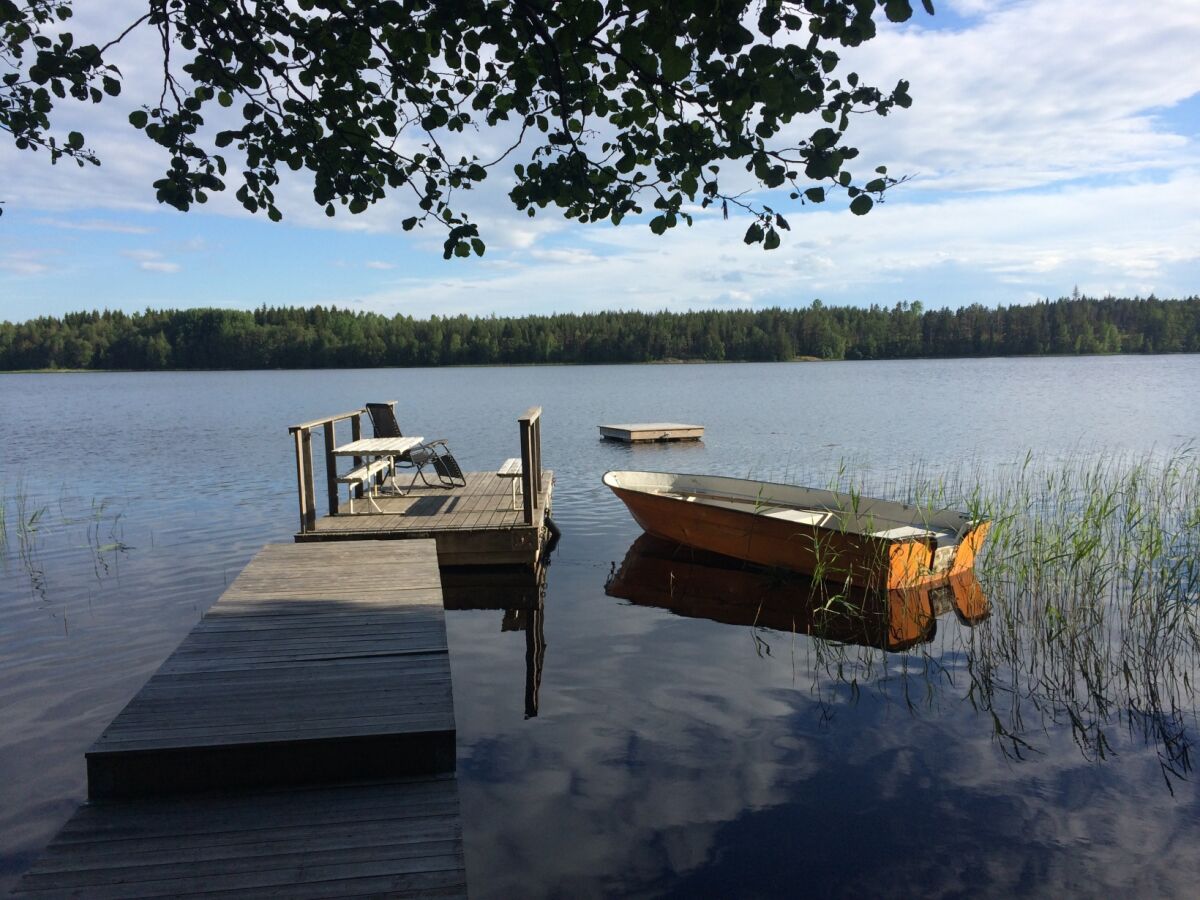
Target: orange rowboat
<point>827,535</point>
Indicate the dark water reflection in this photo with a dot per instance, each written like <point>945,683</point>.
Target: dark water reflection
<point>670,755</point>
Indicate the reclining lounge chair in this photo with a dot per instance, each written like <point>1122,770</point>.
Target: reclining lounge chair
<point>434,453</point>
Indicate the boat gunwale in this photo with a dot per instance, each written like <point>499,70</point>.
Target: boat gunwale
<point>917,517</point>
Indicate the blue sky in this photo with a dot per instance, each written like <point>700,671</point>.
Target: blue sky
<point>1053,144</point>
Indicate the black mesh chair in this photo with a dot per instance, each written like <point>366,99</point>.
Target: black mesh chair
<point>435,454</point>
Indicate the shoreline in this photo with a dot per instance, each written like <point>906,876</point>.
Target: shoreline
<point>652,362</point>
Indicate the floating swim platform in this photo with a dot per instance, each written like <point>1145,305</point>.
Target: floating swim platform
<point>647,432</point>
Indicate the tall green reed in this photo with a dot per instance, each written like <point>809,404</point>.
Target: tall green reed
<point>1092,568</point>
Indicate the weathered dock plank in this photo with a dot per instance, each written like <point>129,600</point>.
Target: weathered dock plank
<point>644,432</point>
<point>320,663</point>
<point>398,838</point>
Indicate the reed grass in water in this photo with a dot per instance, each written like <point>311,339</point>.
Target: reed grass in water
<point>1092,569</point>
<point>38,524</point>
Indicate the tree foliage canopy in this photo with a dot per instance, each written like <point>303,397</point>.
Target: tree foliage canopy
<point>622,107</point>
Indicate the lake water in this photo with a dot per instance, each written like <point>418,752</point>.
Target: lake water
<point>669,755</point>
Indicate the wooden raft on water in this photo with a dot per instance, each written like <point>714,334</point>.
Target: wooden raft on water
<point>276,748</point>
<point>648,432</point>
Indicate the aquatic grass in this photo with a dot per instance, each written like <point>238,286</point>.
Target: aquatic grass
<point>37,523</point>
<point>1092,569</point>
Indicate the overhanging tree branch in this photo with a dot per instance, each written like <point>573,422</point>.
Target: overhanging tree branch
<point>617,101</point>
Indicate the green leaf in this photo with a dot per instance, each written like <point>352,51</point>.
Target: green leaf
<point>357,205</point>
<point>138,118</point>
<point>898,10</point>
<point>75,140</point>
<point>861,205</point>
<point>225,99</point>
<point>676,63</point>
<point>772,240</point>
<point>754,234</point>
<point>816,195</point>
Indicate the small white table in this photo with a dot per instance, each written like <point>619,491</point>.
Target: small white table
<point>378,446</point>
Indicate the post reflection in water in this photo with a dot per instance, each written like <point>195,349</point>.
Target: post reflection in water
<point>699,584</point>
<point>521,594</point>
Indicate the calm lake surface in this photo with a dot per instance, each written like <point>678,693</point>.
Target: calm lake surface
<point>669,755</point>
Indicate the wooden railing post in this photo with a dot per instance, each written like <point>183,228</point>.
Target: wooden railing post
<point>537,454</point>
<point>531,461</point>
<point>331,468</point>
<point>300,478</point>
<point>356,461</point>
<point>310,489</point>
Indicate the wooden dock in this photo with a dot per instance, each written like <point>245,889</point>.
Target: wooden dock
<point>237,767</point>
<point>650,432</point>
<point>499,517</point>
<point>400,838</point>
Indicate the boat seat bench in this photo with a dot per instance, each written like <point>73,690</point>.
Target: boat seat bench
<point>799,516</point>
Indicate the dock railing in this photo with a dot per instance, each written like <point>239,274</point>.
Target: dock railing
<point>305,479</point>
<point>530,423</point>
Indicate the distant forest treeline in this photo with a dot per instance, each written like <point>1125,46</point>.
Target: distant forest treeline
<point>327,338</point>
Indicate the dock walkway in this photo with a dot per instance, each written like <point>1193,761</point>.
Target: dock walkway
<point>276,748</point>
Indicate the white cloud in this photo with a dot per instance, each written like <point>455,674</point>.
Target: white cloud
<point>23,263</point>
<point>159,266</point>
<point>573,256</point>
<point>380,264</point>
<point>1119,239</point>
<point>94,225</point>
<point>152,261</point>
<point>1034,93</point>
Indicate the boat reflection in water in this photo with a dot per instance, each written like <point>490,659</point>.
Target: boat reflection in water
<point>699,584</point>
<point>521,594</point>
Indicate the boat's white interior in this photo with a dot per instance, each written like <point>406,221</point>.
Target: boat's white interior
<point>806,506</point>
